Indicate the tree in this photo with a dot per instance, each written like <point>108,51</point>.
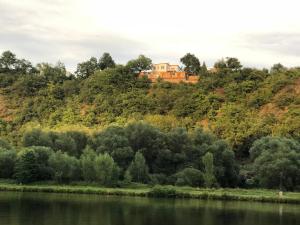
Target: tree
<point>139,64</point>
<point>209,176</point>
<point>191,64</point>
<point>114,142</point>
<point>26,167</point>
<point>7,163</point>
<point>8,61</point>
<point>233,63</point>
<point>36,137</point>
<point>203,68</point>
<point>138,169</point>
<point>220,64</point>
<point>24,67</point>
<point>230,63</point>
<point>65,168</point>
<point>277,68</point>
<point>106,61</point>
<point>87,162</point>
<point>107,172</point>
<point>53,73</point>
<point>146,139</point>
<point>276,162</point>
<point>87,68</point>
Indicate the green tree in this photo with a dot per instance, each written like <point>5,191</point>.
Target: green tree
<point>204,68</point>
<point>276,162</point>
<point>7,163</point>
<point>8,61</point>
<point>36,137</point>
<point>139,64</point>
<point>107,172</point>
<point>53,73</point>
<point>277,68</point>
<point>139,169</point>
<point>114,142</point>
<point>26,167</point>
<point>209,176</point>
<point>233,63</point>
<point>191,64</point>
<point>87,162</point>
<point>65,168</point>
<point>146,139</point>
<point>87,68</point>
<point>220,64</point>
<point>106,61</point>
<point>24,67</point>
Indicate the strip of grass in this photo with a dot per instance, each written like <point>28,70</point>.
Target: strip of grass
<point>162,191</point>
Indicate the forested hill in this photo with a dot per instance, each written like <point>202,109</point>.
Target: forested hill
<point>235,103</point>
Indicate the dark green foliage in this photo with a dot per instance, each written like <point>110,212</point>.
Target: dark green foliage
<point>277,68</point>
<point>65,168</point>
<point>236,105</point>
<point>7,163</point>
<point>189,177</point>
<point>106,61</point>
<point>230,64</point>
<point>209,176</point>
<point>87,163</point>
<point>72,142</point>
<point>139,64</point>
<point>163,192</point>
<point>191,64</point>
<point>26,167</point>
<point>113,141</point>
<point>146,139</point>
<point>276,162</point>
<point>36,137</point>
<point>32,165</point>
<point>5,145</point>
<point>88,68</point>
<point>138,169</point>
<point>107,172</point>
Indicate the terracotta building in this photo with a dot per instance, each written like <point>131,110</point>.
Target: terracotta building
<point>168,72</point>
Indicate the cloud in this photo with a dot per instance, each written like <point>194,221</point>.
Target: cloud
<point>23,34</point>
<point>275,42</point>
<point>74,30</point>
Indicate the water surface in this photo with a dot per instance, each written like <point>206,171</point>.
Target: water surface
<point>73,209</point>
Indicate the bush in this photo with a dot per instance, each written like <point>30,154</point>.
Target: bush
<point>190,177</point>
<point>162,192</point>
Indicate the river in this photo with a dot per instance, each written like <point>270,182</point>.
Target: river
<point>73,209</point>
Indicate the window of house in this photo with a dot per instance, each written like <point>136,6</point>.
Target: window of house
<point>162,67</point>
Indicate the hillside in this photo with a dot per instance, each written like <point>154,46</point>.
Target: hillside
<point>235,127</point>
<point>239,106</point>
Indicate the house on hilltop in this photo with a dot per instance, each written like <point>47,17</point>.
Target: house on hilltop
<point>168,72</point>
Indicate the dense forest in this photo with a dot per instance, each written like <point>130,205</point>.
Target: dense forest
<point>237,127</point>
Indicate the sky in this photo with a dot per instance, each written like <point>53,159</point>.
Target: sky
<point>258,32</point>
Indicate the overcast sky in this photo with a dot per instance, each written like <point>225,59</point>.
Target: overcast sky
<point>258,32</point>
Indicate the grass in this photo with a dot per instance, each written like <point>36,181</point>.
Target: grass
<point>260,195</point>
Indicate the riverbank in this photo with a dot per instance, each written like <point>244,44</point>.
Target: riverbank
<point>258,195</point>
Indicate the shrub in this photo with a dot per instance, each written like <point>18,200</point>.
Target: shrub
<point>190,177</point>
<point>162,192</point>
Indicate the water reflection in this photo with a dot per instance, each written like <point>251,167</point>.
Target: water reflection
<point>64,209</point>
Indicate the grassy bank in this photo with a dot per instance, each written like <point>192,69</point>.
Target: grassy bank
<point>162,191</point>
